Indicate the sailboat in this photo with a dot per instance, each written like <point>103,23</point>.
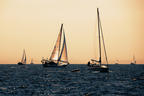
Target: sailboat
<point>97,65</point>
<point>117,62</point>
<point>59,55</point>
<point>23,60</point>
<point>31,61</point>
<point>134,61</point>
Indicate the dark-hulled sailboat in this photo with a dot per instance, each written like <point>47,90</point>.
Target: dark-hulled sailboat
<point>23,60</point>
<point>134,61</point>
<point>97,65</point>
<point>31,61</point>
<point>59,57</point>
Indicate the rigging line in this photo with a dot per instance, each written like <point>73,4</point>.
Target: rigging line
<point>103,42</point>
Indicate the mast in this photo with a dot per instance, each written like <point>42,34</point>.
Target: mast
<point>99,36</point>
<point>100,31</point>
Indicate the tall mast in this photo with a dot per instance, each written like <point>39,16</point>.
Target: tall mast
<point>99,36</point>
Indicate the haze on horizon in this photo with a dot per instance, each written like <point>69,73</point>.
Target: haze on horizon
<point>33,25</point>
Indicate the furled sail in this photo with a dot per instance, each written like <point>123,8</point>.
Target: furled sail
<point>63,56</point>
<point>56,50</point>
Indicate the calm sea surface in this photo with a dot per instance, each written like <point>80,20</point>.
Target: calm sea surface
<point>34,80</point>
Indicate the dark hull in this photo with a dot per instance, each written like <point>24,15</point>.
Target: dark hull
<point>20,63</point>
<point>99,68</point>
<point>132,64</point>
<point>52,64</point>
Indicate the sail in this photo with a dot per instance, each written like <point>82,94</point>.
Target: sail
<point>23,58</point>
<point>31,61</point>
<point>63,56</point>
<point>56,50</point>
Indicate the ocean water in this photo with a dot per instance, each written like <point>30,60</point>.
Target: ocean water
<point>34,80</point>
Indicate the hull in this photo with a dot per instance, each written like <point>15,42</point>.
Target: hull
<point>132,63</point>
<point>20,63</point>
<point>52,64</point>
<point>99,68</point>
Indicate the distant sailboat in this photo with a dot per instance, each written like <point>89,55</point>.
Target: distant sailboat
<point>97,64</point>
<point>31,61</point>
<point>58,58</point>
<point>117,62</point>
<point>23,60</point>
<point>134,61</point>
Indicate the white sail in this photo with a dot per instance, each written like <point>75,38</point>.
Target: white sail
<point>63,56</point>
<point>56,50</point>
<point>23,58</point>
<point>31,61</point>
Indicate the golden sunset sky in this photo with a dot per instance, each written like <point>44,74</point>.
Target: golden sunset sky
<point>33,25</point>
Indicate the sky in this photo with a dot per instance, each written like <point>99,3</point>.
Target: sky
<point>34,25</point>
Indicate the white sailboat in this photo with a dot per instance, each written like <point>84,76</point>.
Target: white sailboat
<point>23,60</point>
<point>97,64</point>
<point>59,55</point>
